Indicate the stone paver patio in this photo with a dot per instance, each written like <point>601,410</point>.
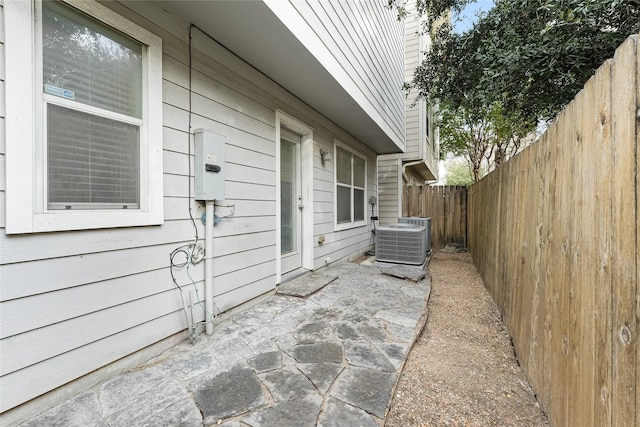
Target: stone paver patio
<point>330,359</point>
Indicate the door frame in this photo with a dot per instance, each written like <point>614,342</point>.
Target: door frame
<point>306,187</point>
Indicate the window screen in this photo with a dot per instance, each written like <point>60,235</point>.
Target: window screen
<point>92,161</point>
<point>92,92</point>
<point>350,187</point>
<point>90,63</point>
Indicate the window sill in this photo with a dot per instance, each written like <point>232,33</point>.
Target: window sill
<point>83,220</point>
<point>345,226</point>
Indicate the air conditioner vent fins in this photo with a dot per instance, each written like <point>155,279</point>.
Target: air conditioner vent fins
<point>423,222</point>
<point>401,244</point>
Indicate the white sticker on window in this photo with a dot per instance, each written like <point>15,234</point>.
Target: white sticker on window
<point>58,91</point>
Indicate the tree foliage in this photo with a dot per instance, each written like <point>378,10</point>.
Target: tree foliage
<point>520,64</point>
<point>458,173</point>
<point>485,137</point>
<point>531,56</point>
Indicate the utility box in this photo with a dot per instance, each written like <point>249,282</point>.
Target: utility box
<point>209,165</point>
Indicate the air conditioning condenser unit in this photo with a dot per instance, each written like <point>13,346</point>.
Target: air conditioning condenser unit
<point>401,244</point>
<point>423,222</point>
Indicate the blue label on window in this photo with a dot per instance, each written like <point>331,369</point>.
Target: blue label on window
<point>58,91</point>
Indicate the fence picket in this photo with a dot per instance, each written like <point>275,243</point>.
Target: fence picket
<point>555,233</point>
<point>447,208</point>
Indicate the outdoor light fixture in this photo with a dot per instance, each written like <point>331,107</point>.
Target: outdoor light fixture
<point>325,155</point>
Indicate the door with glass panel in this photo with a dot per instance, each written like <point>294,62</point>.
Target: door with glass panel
<point>291,204</point>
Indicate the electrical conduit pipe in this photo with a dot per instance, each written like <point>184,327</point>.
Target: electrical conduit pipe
<point>208,266</point>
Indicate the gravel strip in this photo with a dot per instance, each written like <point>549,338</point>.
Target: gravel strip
<point>462,370</point>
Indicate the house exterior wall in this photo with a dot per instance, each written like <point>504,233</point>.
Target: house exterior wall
<point>360,43</point>
<point>389,189</point>
<point>419,162</point>
<point>432,152</point>
<point>415,143</point>
<point>422,138</point>
<point>75,301</point>
<point>2,114</point>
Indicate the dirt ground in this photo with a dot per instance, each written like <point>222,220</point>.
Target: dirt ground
<point>462,371</point>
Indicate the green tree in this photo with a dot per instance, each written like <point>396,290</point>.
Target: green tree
<point>458,173</point>
<point>531,56</point>
<point>520,64</point>
<point>484,136</point>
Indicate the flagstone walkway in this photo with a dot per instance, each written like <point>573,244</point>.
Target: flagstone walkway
<point>331,358</point>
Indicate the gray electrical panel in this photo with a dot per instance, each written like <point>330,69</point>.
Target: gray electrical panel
<point>209,165</point>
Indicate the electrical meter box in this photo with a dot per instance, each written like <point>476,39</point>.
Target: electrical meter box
<point>209,165</point>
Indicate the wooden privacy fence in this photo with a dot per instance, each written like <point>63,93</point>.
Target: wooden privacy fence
<point>445,205</point>
<point>554,233</point>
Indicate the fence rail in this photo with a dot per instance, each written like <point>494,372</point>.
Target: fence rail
<point>447,208</point>
<point>554,233</point>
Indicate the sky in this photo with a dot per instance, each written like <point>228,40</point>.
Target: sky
<point>468,18</point>
<point>468,15</point>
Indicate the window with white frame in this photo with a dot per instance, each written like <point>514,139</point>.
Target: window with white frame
<point>97,147</point>
<point>350,177</point>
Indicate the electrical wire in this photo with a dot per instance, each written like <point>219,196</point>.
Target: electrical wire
<point>193,257</point>
<point>173,264</point>
<point>193,221</point>
<point>187,251</point>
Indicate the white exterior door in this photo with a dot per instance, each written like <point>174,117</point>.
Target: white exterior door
<point>291,201</point>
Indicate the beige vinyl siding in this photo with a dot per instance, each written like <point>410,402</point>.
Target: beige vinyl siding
<point>370,51</point>
<point>412,59</point>
<point>419,147</point>
<point>72,302</point>
<point>389,198</point>
<point>432,155</point>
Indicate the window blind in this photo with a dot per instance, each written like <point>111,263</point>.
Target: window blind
<point>93,162</point>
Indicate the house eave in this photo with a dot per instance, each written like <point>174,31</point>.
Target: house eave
<point>421,170</point>
<point>257,35</point>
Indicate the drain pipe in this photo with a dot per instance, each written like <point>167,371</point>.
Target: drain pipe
<point>404,169</point>
<point>208,266</point>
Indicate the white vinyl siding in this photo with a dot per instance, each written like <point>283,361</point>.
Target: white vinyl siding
<point>422,138</point>
<point>361,44</point>
<point>2,121</point>
<point>338,243</point>
<point>75,301</point>
<point>420,144</point>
